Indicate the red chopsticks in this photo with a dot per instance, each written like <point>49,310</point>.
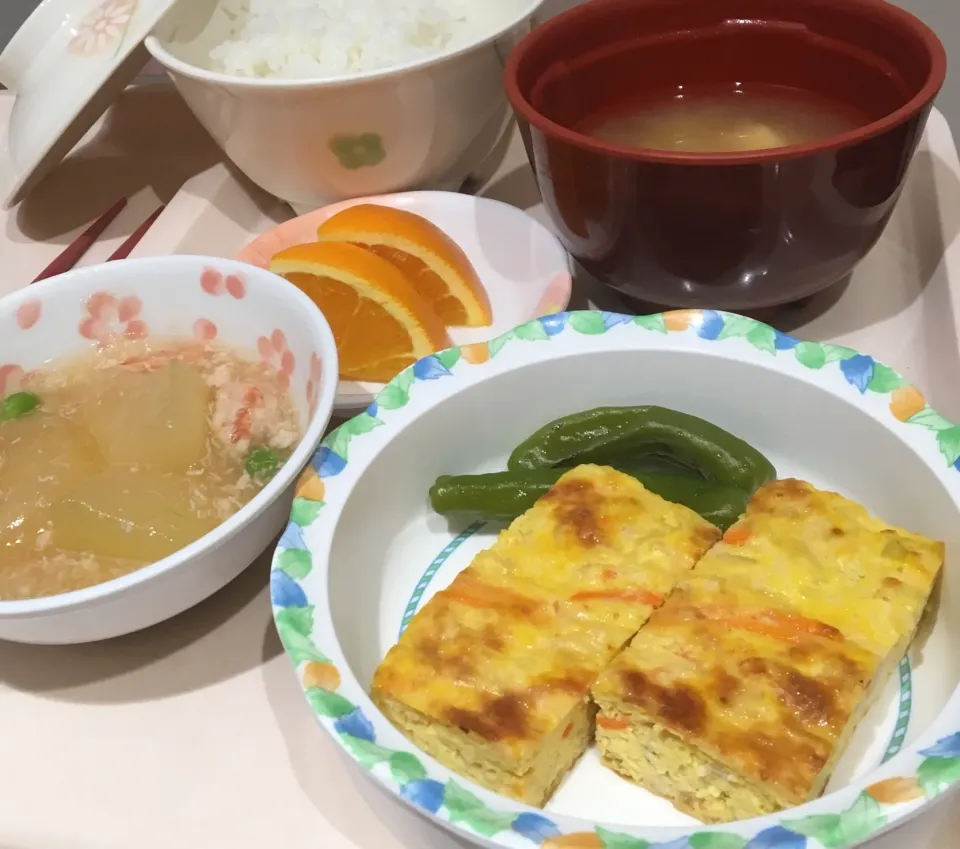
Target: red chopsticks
<point>134,238</point>
<point>72,254</point>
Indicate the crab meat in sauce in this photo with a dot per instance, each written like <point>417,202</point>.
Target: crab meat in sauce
<point>115,460</point>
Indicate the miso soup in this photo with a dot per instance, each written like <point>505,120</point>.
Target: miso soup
<point>735,119</point>
<point>118,459</point>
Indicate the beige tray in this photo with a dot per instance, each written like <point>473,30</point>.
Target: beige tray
<point>145,148</point>
<point>195,733</point>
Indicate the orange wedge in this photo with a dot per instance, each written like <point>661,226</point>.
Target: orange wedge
<point>435,264</point>
<point>380,323</point>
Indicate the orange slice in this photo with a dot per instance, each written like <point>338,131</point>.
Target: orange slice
<point>431,260</point>
<point>380,323</point>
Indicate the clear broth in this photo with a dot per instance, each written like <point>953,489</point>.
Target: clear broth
<point>733,119</point>
<point>133,453</point>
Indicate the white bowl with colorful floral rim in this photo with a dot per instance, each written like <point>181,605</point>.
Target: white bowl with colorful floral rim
<point>364,552</point>
<point>253,312</point>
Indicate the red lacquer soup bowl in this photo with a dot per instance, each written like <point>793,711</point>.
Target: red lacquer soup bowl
<point>736,231</point>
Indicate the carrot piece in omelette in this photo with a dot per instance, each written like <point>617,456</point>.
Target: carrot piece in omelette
<point>739,694</point>
<point>492,676</point>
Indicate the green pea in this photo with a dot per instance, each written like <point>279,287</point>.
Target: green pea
<point>262,463</point>
<point>18,405</point>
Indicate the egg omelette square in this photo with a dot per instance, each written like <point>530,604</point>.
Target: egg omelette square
<point>492,676</point>
<point>741,691</point>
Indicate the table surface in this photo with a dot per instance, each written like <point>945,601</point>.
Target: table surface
<point>195,732</point>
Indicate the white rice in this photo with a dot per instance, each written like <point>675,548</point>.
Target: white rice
<point>299,39</point>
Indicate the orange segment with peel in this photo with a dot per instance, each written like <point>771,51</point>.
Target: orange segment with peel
<point>380,323</point>
<point>433,262</point>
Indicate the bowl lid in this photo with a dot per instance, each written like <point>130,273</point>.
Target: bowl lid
<point>65,66</point>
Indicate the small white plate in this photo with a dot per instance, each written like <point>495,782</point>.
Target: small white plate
<point>522,265</point>
<point>66,65</point>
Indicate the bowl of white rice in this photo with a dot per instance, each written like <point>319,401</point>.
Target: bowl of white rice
<point>319,101</point>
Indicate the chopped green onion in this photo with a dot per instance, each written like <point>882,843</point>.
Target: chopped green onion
<point>262,463</point>
<point>18,405</point>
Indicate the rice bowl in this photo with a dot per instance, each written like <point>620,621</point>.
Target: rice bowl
<point>331,39</point>
<point>319,102</point>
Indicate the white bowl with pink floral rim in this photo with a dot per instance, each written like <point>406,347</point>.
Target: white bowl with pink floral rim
<point>197,297</point>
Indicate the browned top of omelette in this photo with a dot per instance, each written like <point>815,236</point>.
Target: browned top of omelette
<point>518,638</point>
<point>763,654</point>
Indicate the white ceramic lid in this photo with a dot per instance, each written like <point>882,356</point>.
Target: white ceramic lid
<point>65,66</point>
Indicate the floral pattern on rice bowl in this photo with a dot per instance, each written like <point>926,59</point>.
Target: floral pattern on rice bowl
<point>109,318</point>
<point>103,27</point>
<point>275,353</point>
<point>362,151</point>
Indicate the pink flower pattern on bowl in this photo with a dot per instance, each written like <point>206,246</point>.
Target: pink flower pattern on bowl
<point>214,283</point>
<point>204,330</point>
<point>110,317</point>
<point>12,379</point>
<point>28,313</point>
<point>556,296</point>
<point>103,27</point>
<point>313,383</point>
<point>275,353</point>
